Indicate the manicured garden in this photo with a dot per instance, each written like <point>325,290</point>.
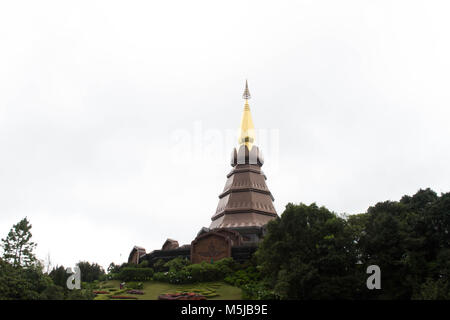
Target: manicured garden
<point>150,290</point>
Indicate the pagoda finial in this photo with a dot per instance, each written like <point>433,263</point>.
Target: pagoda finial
<point>246,94</point>
<point>247,136</point>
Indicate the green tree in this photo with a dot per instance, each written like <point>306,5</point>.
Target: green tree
<point>17,246</point>
<point>113,268</point>
<point>59,276</point>
<point>159,266</point>
<point>24,284</point>
<point>410,241</point>
<point>310,253</point>
<point>90,271</point>
<point>389,242</point>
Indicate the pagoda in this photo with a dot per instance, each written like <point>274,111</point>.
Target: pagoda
<point>245,207</point>
<point>246,203</point>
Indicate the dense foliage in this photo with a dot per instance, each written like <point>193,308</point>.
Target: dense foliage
<point>135,274</point>
<point>410,241</point>
<point>90,271</point>
<point>182,271</point>
<point>307,253</point>
<point>311,253</point>
<point>22,276</point>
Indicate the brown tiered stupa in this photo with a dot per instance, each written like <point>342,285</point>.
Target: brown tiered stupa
<point>245,207</point>
<point>246,204</point>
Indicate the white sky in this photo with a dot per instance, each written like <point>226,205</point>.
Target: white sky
<point>115,116</point>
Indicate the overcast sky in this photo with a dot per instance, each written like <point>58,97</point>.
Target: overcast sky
<point>117,118</point>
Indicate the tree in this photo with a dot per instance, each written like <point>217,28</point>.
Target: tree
<point>113,268</point>
<point>410,241</point>
<point>18,247</point>
<point>310,253</point>
<point>389,242</point>
<point>90,272</point>
<point>59,276</point>
<point>24,284</point>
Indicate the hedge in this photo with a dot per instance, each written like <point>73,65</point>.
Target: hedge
<point>200,272</point>
<point>135,274</point>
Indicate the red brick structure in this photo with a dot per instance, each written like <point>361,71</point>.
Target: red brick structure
<point>210,247</point>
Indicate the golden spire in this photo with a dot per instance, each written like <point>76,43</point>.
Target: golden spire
<point>247,135</point>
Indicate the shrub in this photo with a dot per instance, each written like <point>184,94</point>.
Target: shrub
<point>177,264</point>
<point>113,276</point>
<point>160,276</point>
<point>135,274</point>
<point>82,294</point>
<point>181,271</point>
<point>209,271</point>
<point>257,291</point>
<point>52,292</point>
<point>226,265</point>
<point>243,277</point>
<point>159,266</point>
<point>143,264</point>
<point>434,290</point>
<point>182,276</point>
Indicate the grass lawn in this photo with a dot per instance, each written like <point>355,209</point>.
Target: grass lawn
<point>152,289</point>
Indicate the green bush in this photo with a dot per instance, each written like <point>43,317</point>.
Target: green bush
<point>203,272</point>
<point>159,266</point>
<point>243,277</point>
<point>181,271</point>
<point>257,291</point>
<point>143,264</point>
<point>210,271</point>
<point>434,290</point>
<point>177,264</point>
<point>177,277</point>
<point>82,294</point>
<point>52,292</point>
<point>160,276</point>
<point>250,281</point>
<point>135,274</point>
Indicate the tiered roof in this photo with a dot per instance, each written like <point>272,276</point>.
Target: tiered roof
<point>245,201</point>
